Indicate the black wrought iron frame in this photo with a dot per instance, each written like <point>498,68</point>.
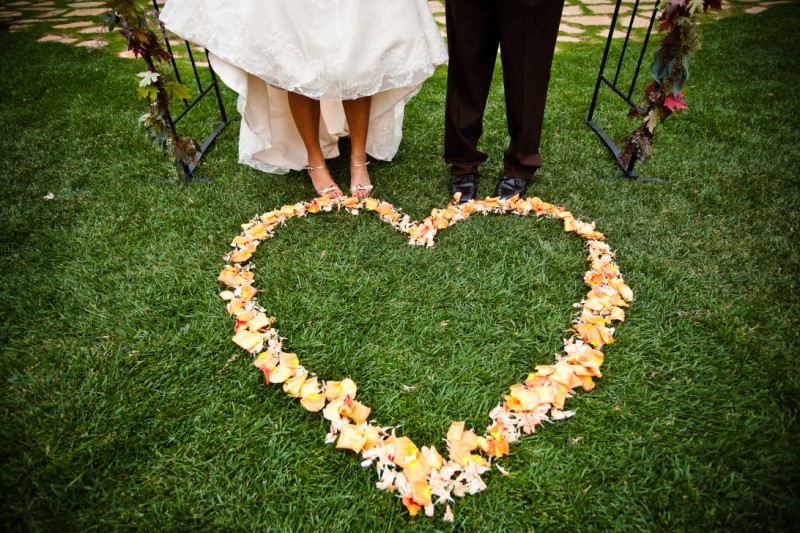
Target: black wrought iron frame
<point>627,169</point>
<point>189,168</point>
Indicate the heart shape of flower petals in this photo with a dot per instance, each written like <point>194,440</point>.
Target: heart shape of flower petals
<point>421,476</point>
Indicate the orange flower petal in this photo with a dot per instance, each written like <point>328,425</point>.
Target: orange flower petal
<point>432,457</point>
<point>358,412</point>
<point>243,254</point>
<point>234,306</point>
<point>247,316</point>
<point>617,313</point>
<point>412,507</point>
<point>623,289</point>
<point>313,402</point>
<point>563,374</point>
<point>455,432</point>
<point>248,339</point>
<point>258,322</point>
<point>331,411</point>
<point>498,447</point>
<point>333,389</point>
<point>421,493</point>
<point>404,449</point>
<point>293,385</point>
<point>351,437</point>
<point>248,291</point>
<point>280,374</point>
<point>270,219</point>
<point>372,436</point>
<point>350,202</point>
<point>228,275</point>
<point>289,360</point>
<point>560,397</point>
<point>417,470</point>
<point>310,386</point>
<point>460,453</point>
<point>265,361</point>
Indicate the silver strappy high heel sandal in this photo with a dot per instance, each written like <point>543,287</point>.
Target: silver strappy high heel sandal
<point>326,190</point>
<point>354,189</point>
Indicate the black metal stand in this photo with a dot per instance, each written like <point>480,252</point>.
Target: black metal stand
<point>189,168</point>
<point>627,170</point>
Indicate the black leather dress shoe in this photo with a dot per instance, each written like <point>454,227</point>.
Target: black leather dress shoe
<point>467,185</point>
<point>508,187</point>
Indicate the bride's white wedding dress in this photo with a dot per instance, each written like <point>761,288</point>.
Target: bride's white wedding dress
<point>330,50</point>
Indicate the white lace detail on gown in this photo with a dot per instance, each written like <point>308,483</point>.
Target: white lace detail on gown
<point>329,50</point>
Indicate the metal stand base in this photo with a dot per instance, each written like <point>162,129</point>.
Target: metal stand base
<point>190,168</point>
<point>627,169</point>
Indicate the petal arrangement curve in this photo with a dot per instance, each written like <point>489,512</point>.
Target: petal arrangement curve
<point>422,477</point>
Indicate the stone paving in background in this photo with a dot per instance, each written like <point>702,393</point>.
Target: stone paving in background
<point>78,23</point>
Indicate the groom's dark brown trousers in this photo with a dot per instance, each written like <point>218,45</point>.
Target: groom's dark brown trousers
<point>526,31</point>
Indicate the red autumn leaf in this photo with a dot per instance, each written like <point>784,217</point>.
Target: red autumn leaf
<point>667,25</point>
<point>135,48</point>
<point>672,103</point>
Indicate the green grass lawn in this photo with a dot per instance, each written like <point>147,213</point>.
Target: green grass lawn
<point>125,404</point>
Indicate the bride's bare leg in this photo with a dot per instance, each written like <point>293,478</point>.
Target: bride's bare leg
<point>306,115</point>
<point>357,113</point>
